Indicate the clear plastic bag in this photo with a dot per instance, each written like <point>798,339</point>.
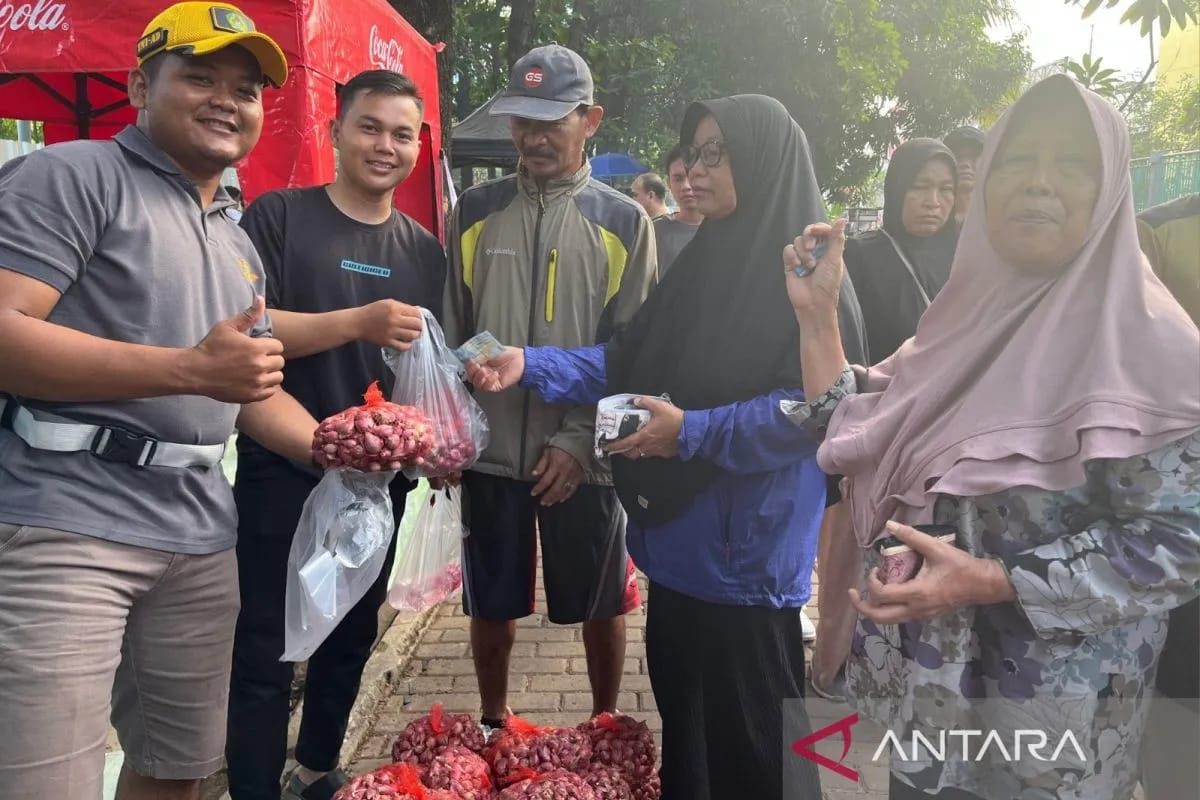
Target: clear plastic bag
<point>428,378</point>
<point>429,562</point>
<point>338,551</point>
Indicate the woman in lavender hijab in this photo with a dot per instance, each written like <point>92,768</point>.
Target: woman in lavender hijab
<point>1047,409</point>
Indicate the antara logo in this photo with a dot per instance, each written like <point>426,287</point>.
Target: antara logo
<point>1013,746</point>
<point>42,15</point>
<point>802,747</point>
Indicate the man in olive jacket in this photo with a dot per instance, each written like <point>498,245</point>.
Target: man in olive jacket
<point>548,256</point>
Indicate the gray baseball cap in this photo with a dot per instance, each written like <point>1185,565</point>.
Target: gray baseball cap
<point>547,83</point>
<point>965,136</point>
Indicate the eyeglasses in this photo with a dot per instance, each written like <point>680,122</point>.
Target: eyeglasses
<point>710,154</point>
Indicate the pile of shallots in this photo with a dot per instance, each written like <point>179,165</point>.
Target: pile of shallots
<point>610,757</point>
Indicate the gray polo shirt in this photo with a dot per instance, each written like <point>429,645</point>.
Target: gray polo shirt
<point>121,233</point>
<point>670,237</point>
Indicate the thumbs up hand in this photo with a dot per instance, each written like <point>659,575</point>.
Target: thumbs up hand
<point>244,322</point>
<point>233,367</point>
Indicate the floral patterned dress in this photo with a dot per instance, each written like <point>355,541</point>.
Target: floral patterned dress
<point>1095,569</point>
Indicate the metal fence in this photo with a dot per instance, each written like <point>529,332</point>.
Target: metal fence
<point>1163,177</point>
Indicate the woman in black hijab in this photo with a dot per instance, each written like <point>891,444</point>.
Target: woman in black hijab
<point>898,270</point>
<point>724,502</point>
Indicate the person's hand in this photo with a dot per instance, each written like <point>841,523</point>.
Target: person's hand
<point>499,372</point>
<point>230,366</point>
<point>819,290</point>
<point>453,479</point>
<point>659,438</point>
<point>558,474</point>
<point>389,323</point>
<point>949,579</point>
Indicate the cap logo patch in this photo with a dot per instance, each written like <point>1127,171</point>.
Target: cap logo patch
<point>154,40</point>
<point>226,19</point>
<point>534,78</point>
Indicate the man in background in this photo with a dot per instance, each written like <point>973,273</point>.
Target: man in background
<point>673,231</point>
<point>548,256</point>
<point>651,194</point>
<point>1170,238</point>
<point>967,145</point>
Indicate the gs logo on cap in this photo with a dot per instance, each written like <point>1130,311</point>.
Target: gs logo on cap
<point>534,78</point>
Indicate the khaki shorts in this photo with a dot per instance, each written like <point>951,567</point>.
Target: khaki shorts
<point>91,629</point>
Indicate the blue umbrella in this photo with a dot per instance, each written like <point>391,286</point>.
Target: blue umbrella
<point>614,165</point>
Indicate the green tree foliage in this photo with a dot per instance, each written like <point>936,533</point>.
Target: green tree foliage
<point>857,74</point>
<point>1092,74</point>
<point>1144,13</point>
<point>8,130</point>
<point>1165,119</point>
<point>433,19</point>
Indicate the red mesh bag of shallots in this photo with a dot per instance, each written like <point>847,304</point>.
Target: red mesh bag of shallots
<point>608,783</point>
<point>621,741</point>
<point>522,746</point>
<point>341,540</point>
<point>556,785</point>
<point>377,436</point>
<point>461,771</point>
<point>392,782</point>
<point>428,736</point>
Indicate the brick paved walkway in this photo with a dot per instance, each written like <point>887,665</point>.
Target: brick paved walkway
<point>549,686</point>
<point>548,680</point>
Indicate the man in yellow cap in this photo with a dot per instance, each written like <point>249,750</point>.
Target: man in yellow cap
<point>133,339</point>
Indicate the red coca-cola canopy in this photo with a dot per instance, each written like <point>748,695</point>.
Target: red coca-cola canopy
<point>66,62</point>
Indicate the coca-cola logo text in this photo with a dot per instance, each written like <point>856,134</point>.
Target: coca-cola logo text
<point>386,53</point>
<point>42,15</point>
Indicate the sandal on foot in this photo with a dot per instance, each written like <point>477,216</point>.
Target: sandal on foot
<point>323,788</point>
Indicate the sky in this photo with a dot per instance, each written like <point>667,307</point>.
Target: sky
<point>1055,29</point>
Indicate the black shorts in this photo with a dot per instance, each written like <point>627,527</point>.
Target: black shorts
<point>585,568</point>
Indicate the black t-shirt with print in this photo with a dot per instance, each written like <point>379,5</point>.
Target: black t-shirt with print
<point>317,259</point>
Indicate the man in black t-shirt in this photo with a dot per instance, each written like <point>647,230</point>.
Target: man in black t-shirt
<point>343,267</point>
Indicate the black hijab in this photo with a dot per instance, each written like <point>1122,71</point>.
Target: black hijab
<point>891,303</point>
<point>719,329</point>
<point>935,252</point>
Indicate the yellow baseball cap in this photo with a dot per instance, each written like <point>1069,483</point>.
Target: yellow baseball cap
<point>197,29</point>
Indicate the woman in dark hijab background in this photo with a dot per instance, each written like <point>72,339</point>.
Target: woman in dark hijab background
<point>724,502</point>
<point>898,270</point>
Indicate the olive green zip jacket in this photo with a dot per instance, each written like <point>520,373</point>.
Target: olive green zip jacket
<point>565,266</point>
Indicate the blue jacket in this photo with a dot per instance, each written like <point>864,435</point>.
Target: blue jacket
<point>750,538</point>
